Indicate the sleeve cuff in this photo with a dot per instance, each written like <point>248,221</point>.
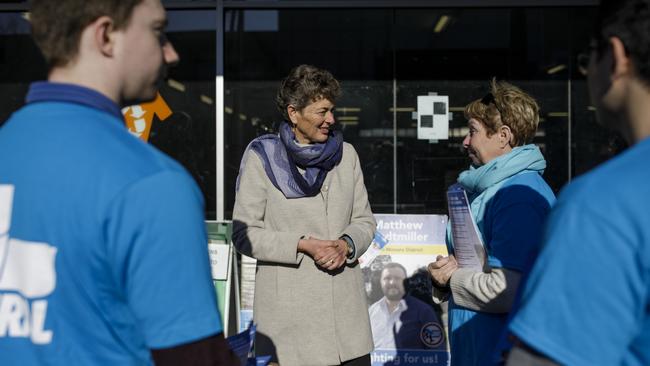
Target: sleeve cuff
<point>440,294</point>
<point>458,282</point>
<point>492,292</point>
<point>352,256</point>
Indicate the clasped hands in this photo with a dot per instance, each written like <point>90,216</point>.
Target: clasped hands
<point>327,254</point>
<point>442,269</point>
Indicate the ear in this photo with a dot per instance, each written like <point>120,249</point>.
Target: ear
<point>622,64</point>
<point>104,35</point>
<point>505,136</point>
<point>291,112</point>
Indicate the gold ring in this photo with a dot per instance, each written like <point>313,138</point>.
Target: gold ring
<point>331,261</point>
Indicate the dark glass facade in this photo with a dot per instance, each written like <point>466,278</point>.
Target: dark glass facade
<point>385,56</point>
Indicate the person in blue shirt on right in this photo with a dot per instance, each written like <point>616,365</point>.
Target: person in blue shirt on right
<point>587,300</point>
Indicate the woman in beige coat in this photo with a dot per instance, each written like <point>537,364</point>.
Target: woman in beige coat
<point>302,211</point>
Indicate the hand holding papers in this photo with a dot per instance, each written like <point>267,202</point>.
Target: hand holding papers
<point>468,245</point>
<point>442,269</point>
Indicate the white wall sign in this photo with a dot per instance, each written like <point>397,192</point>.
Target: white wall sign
<point>433,117</point>
<point>219,254</point>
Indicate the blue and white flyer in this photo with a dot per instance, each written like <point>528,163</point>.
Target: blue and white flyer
<point>468,245</point>
<point>405,321</point>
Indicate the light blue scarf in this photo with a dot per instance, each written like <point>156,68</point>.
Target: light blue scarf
<point>483,182</point>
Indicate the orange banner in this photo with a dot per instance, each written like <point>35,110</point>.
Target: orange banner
<point>139,118</point>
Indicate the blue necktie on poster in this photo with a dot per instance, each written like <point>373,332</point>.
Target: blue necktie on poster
<point>468,245</point>
<point>242,343</point>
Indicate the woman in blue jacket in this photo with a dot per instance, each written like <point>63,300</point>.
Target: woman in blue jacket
<point>509,201</point>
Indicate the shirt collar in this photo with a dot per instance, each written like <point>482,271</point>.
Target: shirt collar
<point>45,91</point>
<point>401,306</point>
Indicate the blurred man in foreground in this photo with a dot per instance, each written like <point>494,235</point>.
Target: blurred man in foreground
<point>103,256</point>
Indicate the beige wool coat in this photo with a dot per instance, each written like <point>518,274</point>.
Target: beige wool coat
<point>304,315</point>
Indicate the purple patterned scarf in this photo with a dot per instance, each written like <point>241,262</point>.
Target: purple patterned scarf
<point>281,156</point>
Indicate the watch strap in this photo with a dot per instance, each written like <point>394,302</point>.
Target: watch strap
<point>352,250</point>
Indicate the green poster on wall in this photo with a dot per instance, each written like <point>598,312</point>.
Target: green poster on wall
<point>221,265</point>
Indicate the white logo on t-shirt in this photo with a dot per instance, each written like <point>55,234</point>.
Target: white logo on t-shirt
<point>27,274</point>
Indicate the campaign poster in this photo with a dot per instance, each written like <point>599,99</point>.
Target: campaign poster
<point>406,324</point>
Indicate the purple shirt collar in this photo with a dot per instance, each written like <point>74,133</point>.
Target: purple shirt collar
<point>45,91</point>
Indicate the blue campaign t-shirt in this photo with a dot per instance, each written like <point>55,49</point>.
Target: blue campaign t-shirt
<point>587,301</point>
<point>511,229</point>
<point>102,239</point>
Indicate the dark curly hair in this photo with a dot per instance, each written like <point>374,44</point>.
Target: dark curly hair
<point>304,85</point>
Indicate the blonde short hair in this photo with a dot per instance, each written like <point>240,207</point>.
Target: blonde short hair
<point>506,105</point>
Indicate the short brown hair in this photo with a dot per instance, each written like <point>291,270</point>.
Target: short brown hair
<point>304,85</point>
<point>506,105</point>
<point>57,24</point>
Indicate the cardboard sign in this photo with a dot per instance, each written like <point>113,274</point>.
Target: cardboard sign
<point>219,255</point>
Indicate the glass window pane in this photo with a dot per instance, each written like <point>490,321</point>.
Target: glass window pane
<point>261,46</point>
<point>456,52</point>
<point>188,134</point>
<point>20,62</point>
